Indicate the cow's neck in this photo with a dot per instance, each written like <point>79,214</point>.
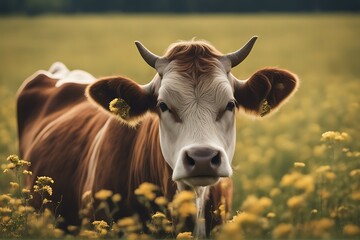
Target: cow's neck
<point>202,194</point>
<point>147,162</point>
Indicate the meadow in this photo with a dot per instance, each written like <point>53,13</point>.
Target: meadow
<point>296,172</point>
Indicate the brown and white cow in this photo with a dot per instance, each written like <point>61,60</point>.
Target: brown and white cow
<point>179,132</point>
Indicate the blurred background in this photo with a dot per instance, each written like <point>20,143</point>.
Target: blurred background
<point>318,40</point>
<point>33,7</point>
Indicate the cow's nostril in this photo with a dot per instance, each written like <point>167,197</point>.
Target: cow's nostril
<point>190,161</point>
<point>215,161</point>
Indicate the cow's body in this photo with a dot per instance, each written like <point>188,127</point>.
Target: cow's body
<point>82,148</point>
<point>178,131</point>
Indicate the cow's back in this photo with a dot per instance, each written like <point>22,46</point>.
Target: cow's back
<point>56,126</point>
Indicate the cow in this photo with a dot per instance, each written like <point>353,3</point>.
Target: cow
<point>177,131</point>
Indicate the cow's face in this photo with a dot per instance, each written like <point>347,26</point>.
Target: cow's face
<point>196,98</point>
<point>197,122</point>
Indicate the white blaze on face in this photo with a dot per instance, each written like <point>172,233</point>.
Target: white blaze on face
<point>197,126</point>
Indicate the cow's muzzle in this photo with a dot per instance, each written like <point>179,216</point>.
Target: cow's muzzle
<point>202,166</point>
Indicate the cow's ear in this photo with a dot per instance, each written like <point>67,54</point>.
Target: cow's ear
<point>266,90</point>
<point>122,97</point>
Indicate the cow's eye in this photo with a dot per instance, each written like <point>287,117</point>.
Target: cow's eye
<point>163,107</point>
<point>230,106</point>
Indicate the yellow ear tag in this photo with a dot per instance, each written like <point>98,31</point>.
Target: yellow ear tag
<point>265,108</point>
<point>119,107</point>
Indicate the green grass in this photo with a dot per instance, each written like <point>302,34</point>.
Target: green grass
<point>323,50</point>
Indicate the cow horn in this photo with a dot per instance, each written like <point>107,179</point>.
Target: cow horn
<point>149,57</point>
<point>237,57</point>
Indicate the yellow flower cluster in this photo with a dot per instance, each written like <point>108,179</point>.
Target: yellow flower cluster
<point>255,205</point>
<point>334,136</point>
<point>303,202</point>
<point>103,194</point>
<point>42,185</point>
<point>15,163</point>
<point>101,227</point>
<point>299,181</point>
<point>184,235</point>
<point>183,204</point>
<point>147,190</point>
<point>160,223</point>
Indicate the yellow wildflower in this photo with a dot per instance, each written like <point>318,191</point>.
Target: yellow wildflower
<point>5,219</point>
<point>289,179</point>
<point>183,196</point>
<point>26,172</point>
<point>295,201</point>
<point>355,196</point>
<point>299,164</point>
<point>147,190</point>
<point>186,209</point>
<point>129,224</point>
<point>45,188</point>
<point>271,215</point>
<point>100,225</point>
<point>355,172</point>
<point>184,235</point>
<point>9,166</point>
<point>324,194</point>
<point>322,169</point>
<point>351,230</point>
<point>16,162</point>
<point>319,228</point>
<point>158,215</point>
<point>314,211</point>
<point>45,201</point>
<point>253,204</point>
<point>334,136</point>
<point>44,180</point>
<point>88,234</point>
<point>72,228</point>
<point>14,185</point>
<point>24,209</point>
<point>245,218</point>
<point>330,176</point>
<point>275,192</point>
<point>103,194</point>
<point>5,197</point>
<point>126,222</point>
<point>231,228</point>
<point>319,150</point>
<point>161,201</point>
<point>305,183</point>
<point>283,230</point>
<point>57,233</point>
<point>25,191</point>
<point>116,198</point>
<point>5,210</point>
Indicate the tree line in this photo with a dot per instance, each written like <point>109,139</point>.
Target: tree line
<point>33,7</point>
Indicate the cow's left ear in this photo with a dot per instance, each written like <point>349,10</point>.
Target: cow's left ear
<point>266,90</point>
<point>122,97</point>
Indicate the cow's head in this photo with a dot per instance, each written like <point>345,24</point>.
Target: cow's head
<point>196,98</point>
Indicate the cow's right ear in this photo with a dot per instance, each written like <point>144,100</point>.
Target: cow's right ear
<point>122,97</point>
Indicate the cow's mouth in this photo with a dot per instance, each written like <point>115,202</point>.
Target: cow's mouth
<point>201,181</point>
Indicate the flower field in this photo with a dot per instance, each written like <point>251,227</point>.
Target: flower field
<point>296,172</point>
